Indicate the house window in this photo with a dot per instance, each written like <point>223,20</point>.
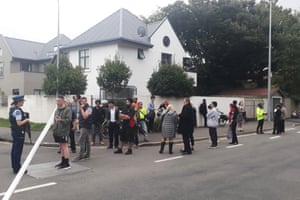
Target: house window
<point>1,70</point>
<point>166,58</point>
<point>15,91</point>
<point>26,67</point>
<point>140,54</point>
<point>84,58</point>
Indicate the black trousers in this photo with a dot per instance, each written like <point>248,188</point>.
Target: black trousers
<point>72,140</point>
<point>213,136</point>
<point>150,124</point>
<point>205,119</point>
<point>260,126</point>
<point>113,132</point>
<point>233,129</point>
<point>186,142</point>
<point>16,152</point>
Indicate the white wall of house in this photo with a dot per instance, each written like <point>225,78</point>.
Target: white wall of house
<point>141,69</point>
<point>98,54</point>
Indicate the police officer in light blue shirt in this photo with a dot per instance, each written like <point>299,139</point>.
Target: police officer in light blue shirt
<point>18,120</point>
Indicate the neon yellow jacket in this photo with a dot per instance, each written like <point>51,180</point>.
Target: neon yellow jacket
<point>259,113</point>
<point>142,113</point>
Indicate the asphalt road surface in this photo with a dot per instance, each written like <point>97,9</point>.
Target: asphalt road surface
<point>262,167</point>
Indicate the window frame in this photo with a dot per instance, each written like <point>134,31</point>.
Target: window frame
<point>85,58</point>
<point>166,59</point>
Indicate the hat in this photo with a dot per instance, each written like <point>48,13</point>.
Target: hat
<point>18,98</point>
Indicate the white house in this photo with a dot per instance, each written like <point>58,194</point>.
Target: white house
<point>141,46</point>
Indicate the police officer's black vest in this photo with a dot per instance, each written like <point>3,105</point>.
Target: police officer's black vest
<point>13,122</point>
<point>85,123</point>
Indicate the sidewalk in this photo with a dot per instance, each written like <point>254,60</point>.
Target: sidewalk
<point>154,138</point>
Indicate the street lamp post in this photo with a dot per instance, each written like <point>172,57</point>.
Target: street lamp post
<point>57,50</point>
<point>269,62</point>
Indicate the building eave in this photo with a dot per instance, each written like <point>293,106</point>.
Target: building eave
<point>103,42</point>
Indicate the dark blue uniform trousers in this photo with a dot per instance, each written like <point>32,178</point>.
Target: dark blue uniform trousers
<point>16,152</point>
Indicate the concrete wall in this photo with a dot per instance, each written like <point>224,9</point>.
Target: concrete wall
<point>40,107</point>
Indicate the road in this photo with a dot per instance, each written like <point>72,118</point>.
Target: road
<point>262,167</point>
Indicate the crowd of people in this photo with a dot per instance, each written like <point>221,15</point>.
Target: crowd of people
<point>123,126</point>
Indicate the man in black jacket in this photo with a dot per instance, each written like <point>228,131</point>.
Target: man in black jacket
<point>203,111</point>
<point>233,123</point>
<point>98,116</point>
<point>186,125</point>
<point>113,120</point>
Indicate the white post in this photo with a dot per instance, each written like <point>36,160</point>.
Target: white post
<point>269,63</point>
<point>58,43</point>
<point>29,158</point>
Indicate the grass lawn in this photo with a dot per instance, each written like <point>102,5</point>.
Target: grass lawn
<point>34,126</point>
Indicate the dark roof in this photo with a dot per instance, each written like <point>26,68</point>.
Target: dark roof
<point>256,92</point>
<point>120,26</point>
<point>36,51</point>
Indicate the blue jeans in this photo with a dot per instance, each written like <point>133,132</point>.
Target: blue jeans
<point>16,152</point>
<point>143,128</point>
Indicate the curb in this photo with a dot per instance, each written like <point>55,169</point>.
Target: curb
<point>149,144</point>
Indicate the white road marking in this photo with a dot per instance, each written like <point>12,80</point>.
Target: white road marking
<point>298,132</point>
<point>234,146</point>
<point>248,135</point>
<point>290,129</point>
<point>275,137</point>
<point>168,159</point>
<point>31,188</point>
<point>269,132</point>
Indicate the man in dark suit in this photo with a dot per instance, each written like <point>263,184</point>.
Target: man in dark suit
<point>113,125</point>
<point>186,125</point>
<point>203,111</point>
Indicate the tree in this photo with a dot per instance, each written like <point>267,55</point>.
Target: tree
<point>67,79</point>
<point>231,37</point>
<point>113,76</point>
<point>170,80</point>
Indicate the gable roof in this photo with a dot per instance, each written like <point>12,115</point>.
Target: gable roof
<point>36,51</point>
<point>120,26</point>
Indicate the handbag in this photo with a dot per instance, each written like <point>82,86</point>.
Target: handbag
<point>229,133</point>
<point>132,122</point>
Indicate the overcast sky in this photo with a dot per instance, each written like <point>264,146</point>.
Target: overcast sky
<point>36,20</point>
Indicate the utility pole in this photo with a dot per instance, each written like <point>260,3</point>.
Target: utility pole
<point>57,50</point>
<point>269,63</point>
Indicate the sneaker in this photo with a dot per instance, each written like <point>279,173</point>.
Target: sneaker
<point>109,147</point>
<point>78,158</point>
<point>65,166</point>
<point>86,157</point>
<point>101,143</point>
<point>118,151</point>
<point>129,152</point>
<point>58,165</point>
